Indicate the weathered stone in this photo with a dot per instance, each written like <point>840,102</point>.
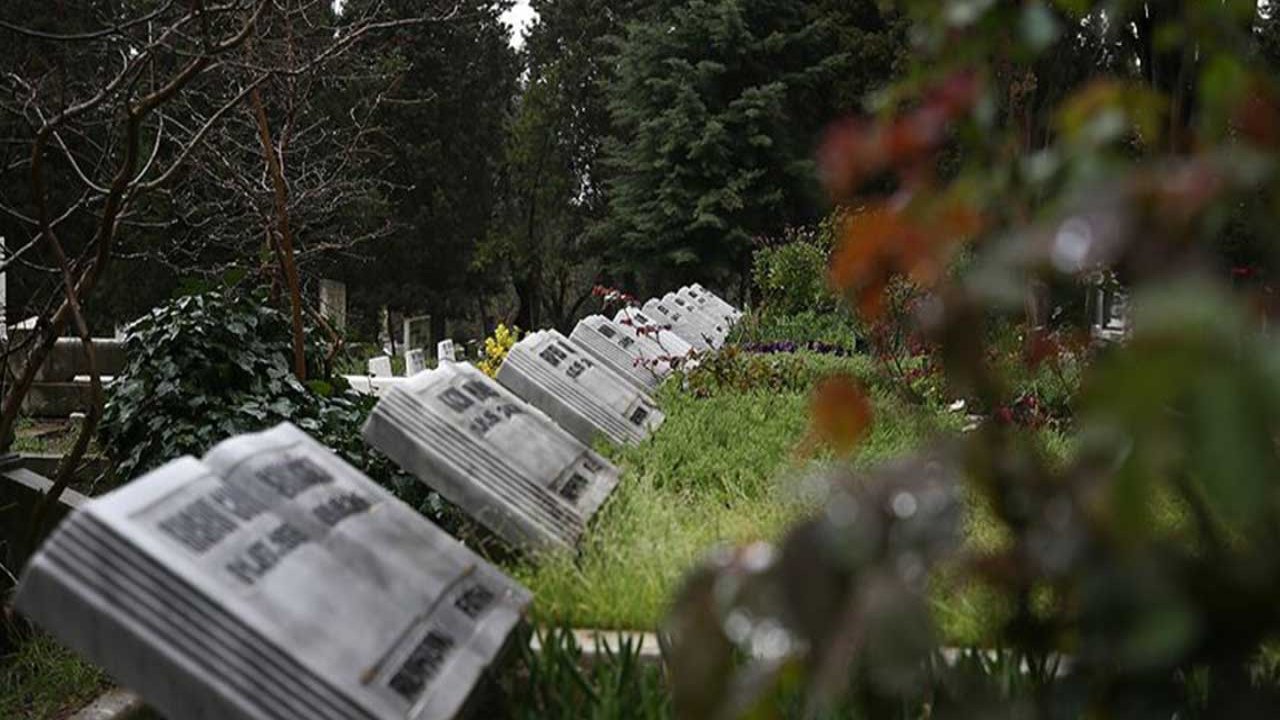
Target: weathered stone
<point>445,352</point>
<point>271,579</point>
<point>629,351</point>
<point>380,366</point>
<point>681,323</point>
<point>414,362</point>
<point>488,452</point>
<point>333,304</point>
<point>582,396</point>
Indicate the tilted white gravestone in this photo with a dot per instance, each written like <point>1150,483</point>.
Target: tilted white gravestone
<point>669,344</point>
<point>724,307</point>
<point>715,328</point>
<point>415,361</point>
<point>272,580</point>
<point>705,304</point>
<point>681,323</point>
<point>380,366</point>
<point>445,352</point>
<point>494,456</point>
<point>633,355</point>
<point>583,396</point>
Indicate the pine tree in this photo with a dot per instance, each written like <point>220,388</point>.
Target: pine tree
<point>716,112</point>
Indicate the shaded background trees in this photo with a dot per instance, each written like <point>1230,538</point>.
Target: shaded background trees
<point>716,111</point>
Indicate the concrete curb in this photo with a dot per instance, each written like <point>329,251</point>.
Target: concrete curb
<point>119,704</point>
<point>597,644</point>
<point>112,705</point>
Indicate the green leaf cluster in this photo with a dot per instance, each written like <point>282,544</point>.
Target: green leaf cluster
<point>205,367</point>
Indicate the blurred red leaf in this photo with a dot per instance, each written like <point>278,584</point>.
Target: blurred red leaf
<point>856,150</point>
<point>1258,116</point>
<point>841,412</point>
<point>883,242</point>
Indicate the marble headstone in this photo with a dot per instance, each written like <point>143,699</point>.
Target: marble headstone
<point>727,317</point>
<point>712,325</point>
<point>272,580</point>
<point>414,362</point>
<point>380,366</point>
<point>488,452</point>
<point>445,352</point>
<point>725,308</point>
<point>581,395</point>
<point>631,353</point>
<point>668,343</point>
<point>333,303</point>
<point>681,323</point>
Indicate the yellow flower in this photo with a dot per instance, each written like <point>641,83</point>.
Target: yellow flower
<point>496,347</point>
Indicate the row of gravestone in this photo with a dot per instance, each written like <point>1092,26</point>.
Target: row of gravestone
<point>270,579</point>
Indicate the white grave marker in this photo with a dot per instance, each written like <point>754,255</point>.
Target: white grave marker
<point>716,329</point>
<point>724,307</point>
<point>272,580</point>
<point>668,343</point>
<point>708,307</point>
<point>681,323</point>
<point>414,362</point>
<point>380,366</point>
<point>583,396</point>
<point>333,304</point>
<point>633,355</point>
<point>445,352</point>
<point>494,456</point>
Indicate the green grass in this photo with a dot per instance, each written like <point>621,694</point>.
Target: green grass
<point>722,469</point>
<point>41,680</point>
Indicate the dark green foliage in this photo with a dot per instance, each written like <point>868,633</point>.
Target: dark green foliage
<point>765,327</point>
<point>790,272</point>
<point>556,682</point>
<point>205,367</point>
<point>732,370</point>
<point>442,131</point>
<point>716,109</point>
<point>40,679</point>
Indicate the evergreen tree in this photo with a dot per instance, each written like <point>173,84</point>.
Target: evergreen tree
<point>553,187</point>
<point>716,111</point>
<point>443,125</point>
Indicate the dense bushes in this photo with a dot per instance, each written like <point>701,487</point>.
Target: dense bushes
<point>206,367</point>
<point>790,272</point>
<point>733,369</point>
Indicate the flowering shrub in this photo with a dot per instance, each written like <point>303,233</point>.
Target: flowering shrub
<point>496,347</point>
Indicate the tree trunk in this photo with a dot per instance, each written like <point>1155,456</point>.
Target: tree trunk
<point>284,234</point>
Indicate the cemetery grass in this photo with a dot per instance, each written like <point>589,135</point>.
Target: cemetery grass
<point>728,468</point>
<point>41,680</point>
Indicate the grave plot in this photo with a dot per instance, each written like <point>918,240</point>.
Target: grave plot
<point>714,327</point>
<point>487,451</point>
<point>697,291</point>
<point>581,395</point>
<point>414,362</point>
<point>634,355</point>
<point>722,312</point>
<point>690,329</point>
<point>272,580</point>
<point>670,344</point>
